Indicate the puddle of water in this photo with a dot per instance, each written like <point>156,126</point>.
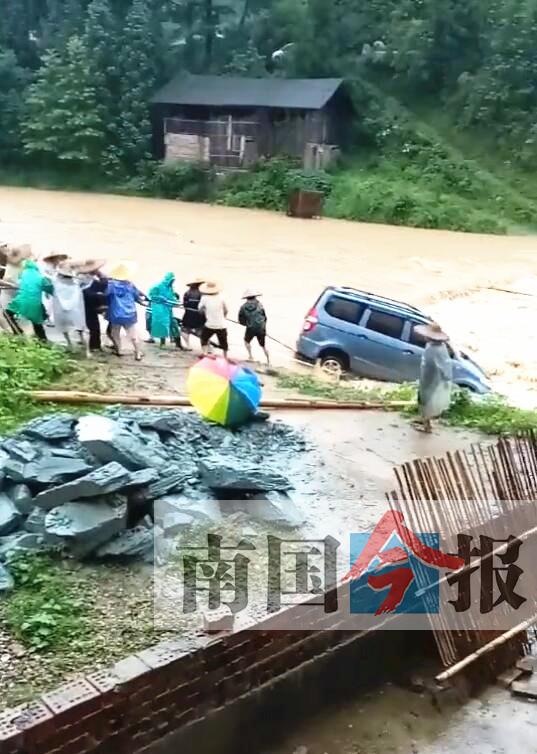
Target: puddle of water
<point>351,467</point>
<point>395,721</point>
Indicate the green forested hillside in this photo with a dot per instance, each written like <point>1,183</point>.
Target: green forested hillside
<point>445,93</point>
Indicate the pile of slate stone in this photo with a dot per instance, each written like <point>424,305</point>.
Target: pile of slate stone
<point>96,487</point>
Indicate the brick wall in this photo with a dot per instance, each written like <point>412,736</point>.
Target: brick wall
<point>156,693</point>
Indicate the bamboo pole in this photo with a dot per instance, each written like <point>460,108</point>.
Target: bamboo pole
<point>76,397</point>
<point>486,649</point>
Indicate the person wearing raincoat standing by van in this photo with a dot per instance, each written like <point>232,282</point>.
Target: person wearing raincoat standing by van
<point>436,375</point>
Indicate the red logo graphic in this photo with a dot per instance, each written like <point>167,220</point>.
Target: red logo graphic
<point>398,579</point>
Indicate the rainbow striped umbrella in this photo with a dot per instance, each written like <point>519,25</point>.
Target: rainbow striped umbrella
<point>223,392</point>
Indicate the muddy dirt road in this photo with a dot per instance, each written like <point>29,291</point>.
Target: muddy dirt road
<point>291,260</point>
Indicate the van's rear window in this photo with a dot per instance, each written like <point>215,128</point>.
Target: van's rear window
<point>342,308</point>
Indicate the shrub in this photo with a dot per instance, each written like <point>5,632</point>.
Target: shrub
<point>26,364</point>
<point>492,415</point>
<point>189,181</point>
<point>401,194</point>
<point>268,184</point>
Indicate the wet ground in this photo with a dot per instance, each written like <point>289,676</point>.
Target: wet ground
<point>293,260</point>
<point>392,720</point>
<point>351,463</point>
<point>341,482</point>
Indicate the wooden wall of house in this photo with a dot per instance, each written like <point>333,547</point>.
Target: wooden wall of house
<point>268,131</point>
<point>287,132</point>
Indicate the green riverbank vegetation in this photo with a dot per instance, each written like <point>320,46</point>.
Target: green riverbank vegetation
<point>444,94</point>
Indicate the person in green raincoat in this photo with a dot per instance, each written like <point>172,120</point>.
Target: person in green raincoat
<point>161,322</point>
<point>28,301</point>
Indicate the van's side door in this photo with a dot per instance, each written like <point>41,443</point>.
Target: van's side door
<point>339,326</point>
<point>381,354</point>
<point>413,347</point>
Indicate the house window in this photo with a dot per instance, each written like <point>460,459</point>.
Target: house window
<point>386,324</point>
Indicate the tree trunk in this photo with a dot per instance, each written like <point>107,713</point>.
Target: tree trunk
<point>244,16</point>
<point>209,34</point>
<point>189,24</point>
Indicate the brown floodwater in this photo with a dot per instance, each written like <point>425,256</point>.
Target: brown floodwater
<point>289,260</point>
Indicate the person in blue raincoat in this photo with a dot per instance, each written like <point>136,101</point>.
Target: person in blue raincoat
<point>160,320</point>
<point>122,297</point>
<point>436,375</point>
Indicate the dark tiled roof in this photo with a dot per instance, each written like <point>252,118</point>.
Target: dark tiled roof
<point>234,91</point>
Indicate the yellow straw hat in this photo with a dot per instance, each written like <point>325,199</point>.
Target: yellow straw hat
<point>123,271</point>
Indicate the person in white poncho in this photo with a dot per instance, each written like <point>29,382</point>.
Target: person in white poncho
<point>436,375</point>
<point>68,305</point>
<point>49,267</point>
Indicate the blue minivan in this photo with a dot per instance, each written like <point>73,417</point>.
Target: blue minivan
<point>374,337</point>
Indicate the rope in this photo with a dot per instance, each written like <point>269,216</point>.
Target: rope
<point>270,337</point>
<point>234,322</point>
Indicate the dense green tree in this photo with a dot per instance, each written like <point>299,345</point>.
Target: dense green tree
<point>13,79</point>
<point>435,41</point>
<point>475,56</point>
<point>19,24</point>
<point>246,62</point>
<point>101,36</point>
<point>63,121</point>
<point>137,69</point>
<point>63,19</point>
<point>502,93</point>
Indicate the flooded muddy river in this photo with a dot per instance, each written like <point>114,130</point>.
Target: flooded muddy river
<point>292,260</point>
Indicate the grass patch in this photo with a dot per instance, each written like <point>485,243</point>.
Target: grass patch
<point>310,386</point>
<point>397,193</point>
<point>66,617</point>
<point>47,610</point>
<point>492,414</point>
<point>26,364</point>
<point>25,176</point>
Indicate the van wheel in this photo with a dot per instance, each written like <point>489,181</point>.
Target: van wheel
<point>334,364</point>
